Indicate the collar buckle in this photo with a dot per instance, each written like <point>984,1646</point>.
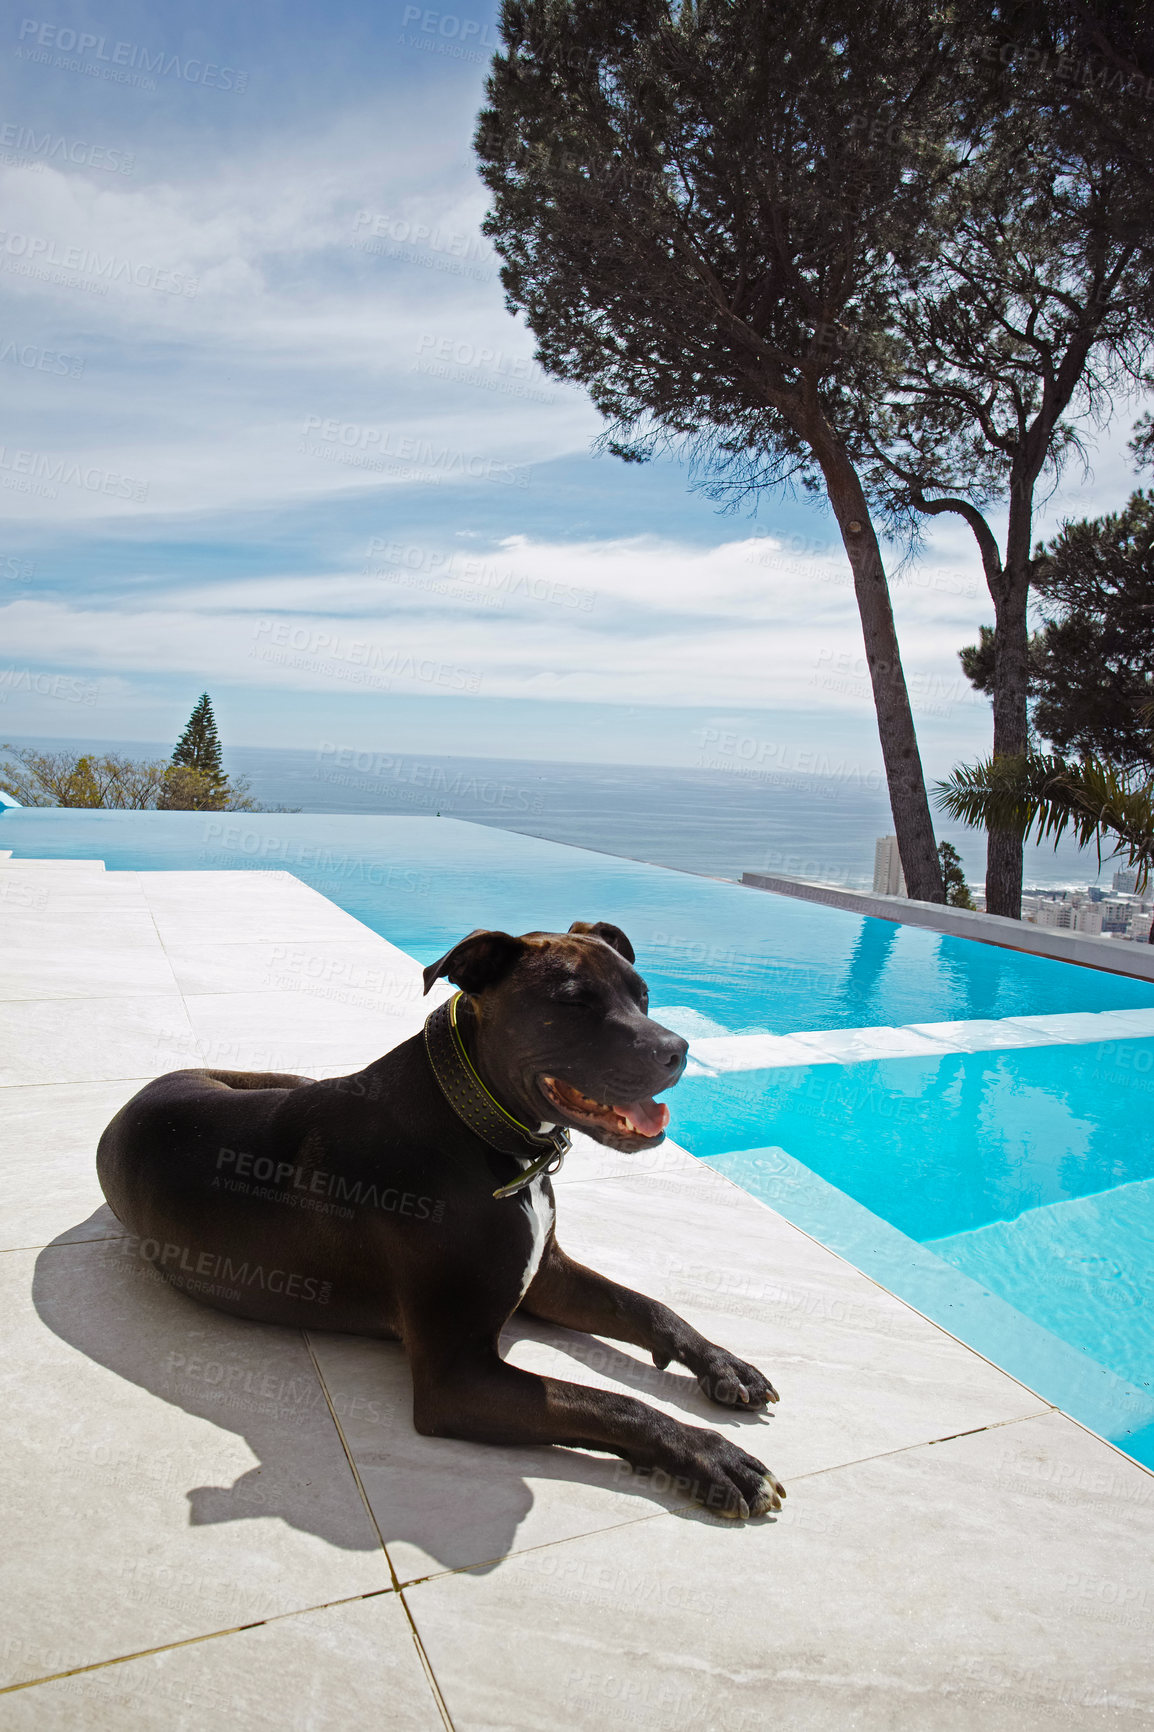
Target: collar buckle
<point>549,1163</point>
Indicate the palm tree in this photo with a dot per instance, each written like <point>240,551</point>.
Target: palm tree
<point>1040,790</point>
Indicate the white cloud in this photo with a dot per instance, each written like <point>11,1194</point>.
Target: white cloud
<point>220,316</point>
<point>642,621</point>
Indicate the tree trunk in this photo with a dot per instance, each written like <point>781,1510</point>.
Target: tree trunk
<point>913,825</point>
<point>1011,692</point>
<point>1011,739</point>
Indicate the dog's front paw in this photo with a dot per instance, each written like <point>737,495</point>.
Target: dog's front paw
<point>733,1383</point>
<point>727,1481</point>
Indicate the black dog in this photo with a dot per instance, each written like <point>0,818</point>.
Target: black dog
<point>412,1200</point>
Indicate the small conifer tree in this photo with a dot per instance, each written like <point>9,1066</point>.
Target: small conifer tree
<point>199,745</point>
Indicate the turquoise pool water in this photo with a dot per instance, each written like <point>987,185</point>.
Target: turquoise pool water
<point>941,1146</point>
<point>741,957</point>
<point>1009,1194</point>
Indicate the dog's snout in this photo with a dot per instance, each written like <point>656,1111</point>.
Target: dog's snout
<point>661,1047</point>
<point>670,1051</point>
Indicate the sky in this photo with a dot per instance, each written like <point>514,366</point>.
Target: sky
<point>273,433</point>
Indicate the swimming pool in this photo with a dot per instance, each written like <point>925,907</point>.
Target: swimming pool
<point>980,1147</point>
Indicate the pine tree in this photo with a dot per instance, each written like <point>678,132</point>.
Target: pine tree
<point>692,218</point>
<point>953,877</point>
<point>1091,669</point>
<point>199,745</point>
<point>1025,327</point>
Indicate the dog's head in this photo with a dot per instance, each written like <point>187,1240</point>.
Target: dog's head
<point>560,1026</point>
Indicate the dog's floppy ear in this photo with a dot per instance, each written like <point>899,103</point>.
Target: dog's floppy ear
<point>612,935</point>
<point>477,961</point>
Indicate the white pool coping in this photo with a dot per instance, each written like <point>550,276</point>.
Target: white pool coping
<point>214,1523</point>
<point>1117,956</point>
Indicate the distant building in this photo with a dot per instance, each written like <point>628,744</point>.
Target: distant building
<point>1055,914</point>
<point>1121,915</point>
<point>1126,880</point>
<point>889,879</point>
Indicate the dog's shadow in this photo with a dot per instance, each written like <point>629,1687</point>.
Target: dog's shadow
<point>461,1504</point>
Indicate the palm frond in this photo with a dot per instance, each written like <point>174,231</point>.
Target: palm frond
<point>1042,792</point>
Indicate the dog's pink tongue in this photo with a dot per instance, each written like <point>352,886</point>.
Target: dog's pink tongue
<point>646,1117</point>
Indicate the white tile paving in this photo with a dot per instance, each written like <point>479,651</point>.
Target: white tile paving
<point>888,1595</point>
<point>350,1667</point>
<point>176,1482</point>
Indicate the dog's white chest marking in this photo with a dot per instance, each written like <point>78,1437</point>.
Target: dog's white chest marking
<point>540,1212</point>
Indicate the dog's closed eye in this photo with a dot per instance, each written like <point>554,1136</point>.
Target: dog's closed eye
<point>578,994</point>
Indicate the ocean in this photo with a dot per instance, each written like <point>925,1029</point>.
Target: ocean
<point>717,822</point>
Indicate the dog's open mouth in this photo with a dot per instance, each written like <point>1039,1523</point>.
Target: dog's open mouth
<point>643,1118</point>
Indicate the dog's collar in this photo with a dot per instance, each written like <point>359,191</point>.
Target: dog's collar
<point>475,1106</point>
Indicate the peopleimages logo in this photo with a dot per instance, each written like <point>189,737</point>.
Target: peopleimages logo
<point>64,686</point>
<point>40,360</point>
<point>374,446</point>
<point>40,472</point>
<point>449,27</point>
<point>38,252</point>
<point>281,1178</point>
<point>53,147</point>
<point>48,43</point>
<point>207,1271</point>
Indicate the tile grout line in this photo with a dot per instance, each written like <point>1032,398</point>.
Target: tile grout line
<point>418,1644</point>
<point>86,1082</point>
<point>543,1546</point>
<point>685,1510</point>
<point>97,1081</point>
<point>931,1442</point>
<point>84,997</point>
<point>51,1245</point>
<point>164,948</point>
<point>353,1468</point>
<point>191,1641</point>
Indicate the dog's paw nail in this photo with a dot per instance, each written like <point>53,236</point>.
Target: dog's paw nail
<point>769,1495</point>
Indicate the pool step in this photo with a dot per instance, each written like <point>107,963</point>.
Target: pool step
<point>990,1303</point>
<point>713,1055</point>
<point>1080,1267</point>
